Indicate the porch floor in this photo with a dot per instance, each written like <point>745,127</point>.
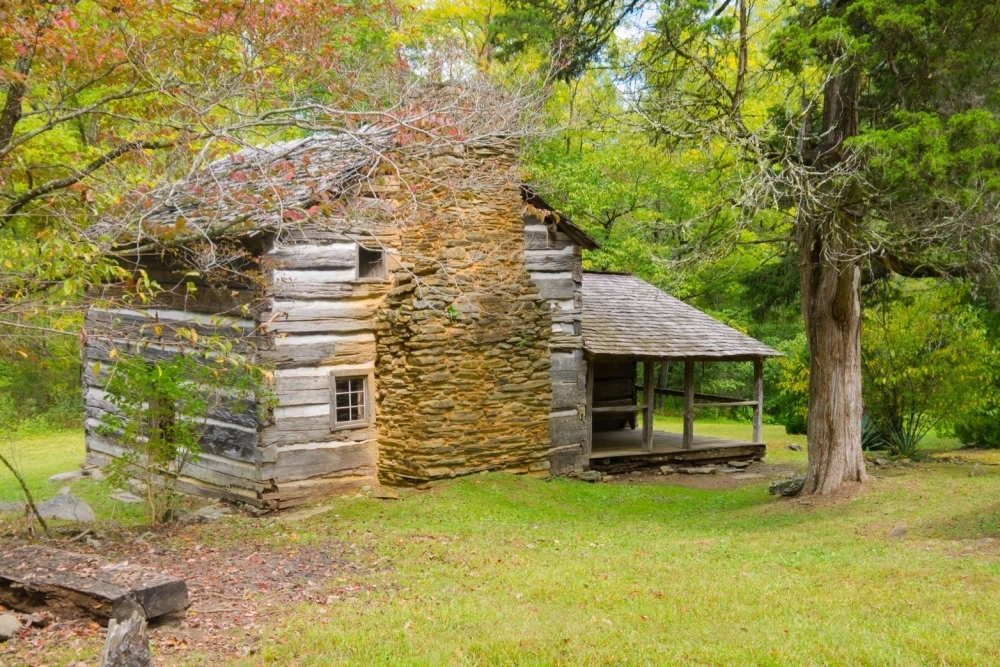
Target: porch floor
<point>628,443</point>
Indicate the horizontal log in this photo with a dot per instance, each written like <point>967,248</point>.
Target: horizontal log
<point>568,430</point>
<point>538,238</point>
<point>565,396</point>
<point>318,459</point>
<point>550,260</point>
<point>311,429</point>
<point>703,397</point>
<point>623,409</point>
<point>290,494</point>
<point>331,256</point>
<point>724,404</point>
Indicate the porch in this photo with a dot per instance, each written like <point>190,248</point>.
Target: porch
<point>628,324</point>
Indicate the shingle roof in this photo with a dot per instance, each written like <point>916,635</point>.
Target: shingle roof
<point>627,317</point>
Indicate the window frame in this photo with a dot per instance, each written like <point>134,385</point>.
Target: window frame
<point>384,264</point>
<point>368,378</point>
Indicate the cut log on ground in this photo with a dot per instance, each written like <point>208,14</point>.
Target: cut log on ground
<point>35,578</point>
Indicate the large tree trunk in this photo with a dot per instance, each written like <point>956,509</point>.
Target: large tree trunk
<point>831,305</point>
<point>830,264</point>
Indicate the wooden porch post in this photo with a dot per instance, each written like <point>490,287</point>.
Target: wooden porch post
<point>650,403</point>
<point>758,396</point>
<point>588,444</point>
<point>688,440</point>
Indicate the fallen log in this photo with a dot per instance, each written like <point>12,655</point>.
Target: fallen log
<point>35,579</point>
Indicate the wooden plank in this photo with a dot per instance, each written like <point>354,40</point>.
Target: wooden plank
<point>688,404</point>
<point>758,398</point>
<point>42,579</point>
<point>537,261</point>
<point>699,396</point>
<point>648,406</point>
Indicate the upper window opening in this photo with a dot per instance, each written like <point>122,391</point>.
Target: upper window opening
<point>371,262</point>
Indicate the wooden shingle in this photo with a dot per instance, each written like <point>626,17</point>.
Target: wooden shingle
<point>624,316</point>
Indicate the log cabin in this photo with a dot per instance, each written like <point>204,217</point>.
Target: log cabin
<point>460,336</point>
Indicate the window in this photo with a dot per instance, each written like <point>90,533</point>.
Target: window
<point>371,263</point>
<point>349,401</point>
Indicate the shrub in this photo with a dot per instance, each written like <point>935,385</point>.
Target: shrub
<point>162,408</point>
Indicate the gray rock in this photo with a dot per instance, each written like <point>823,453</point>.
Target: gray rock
<point>740,464</point>
<point>9,625</point>
<point>748,475</point>
<point>126,497</point>
<point>977,470</point>
<point>667,470</point>
<point>590,476</point>
<point>385,493</point>
<point>96,474</point>
<point>898,531</point>
<point>788,487</point>
<point>70,476</point>
<point>68,508</point>
<point>366,488</point>
<point>697,470</point>
<point>13,507</point>
<point>213,512</point>
<point>881,462</point>
<point>726,470</point>
<point>795,447</point>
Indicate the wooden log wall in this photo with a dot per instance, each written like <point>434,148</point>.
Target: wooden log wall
<point>319,317</point>
<point>556,267</point>
<point>228,465</point>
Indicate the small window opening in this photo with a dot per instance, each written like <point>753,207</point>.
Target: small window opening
<point>371,262</point>
<point>350,401</point>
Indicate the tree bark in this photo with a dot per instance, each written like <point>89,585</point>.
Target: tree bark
<point>831,305</point>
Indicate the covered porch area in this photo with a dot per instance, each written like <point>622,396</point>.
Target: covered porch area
<point>629,324</point>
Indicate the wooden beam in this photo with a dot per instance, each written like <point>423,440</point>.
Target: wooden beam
<point>590,409</point>
<point>697,395</point>
<point>688,441</point>
<point>619,408</point>
<point>758,397</point>
<point>729,404</point>
<point>649,407</point>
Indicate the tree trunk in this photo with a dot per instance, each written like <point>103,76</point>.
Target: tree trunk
<point>831,305</point>
<point>830,263</point>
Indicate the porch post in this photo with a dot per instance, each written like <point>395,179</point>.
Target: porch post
<point>688,440</point>
<point>650,403</point>
<point>588,443</point>
<point>758,396</point>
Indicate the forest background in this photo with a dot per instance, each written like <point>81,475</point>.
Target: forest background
<point>96,105</point>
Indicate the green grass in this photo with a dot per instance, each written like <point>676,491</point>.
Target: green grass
<point>495,570</point>
<point>39,456</point>
<point>501,570</point>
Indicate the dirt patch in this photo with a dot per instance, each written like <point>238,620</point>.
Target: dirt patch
<point>755,475</point>
<point>237,591</point>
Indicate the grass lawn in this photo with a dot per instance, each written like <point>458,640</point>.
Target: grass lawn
<point>500,570</point>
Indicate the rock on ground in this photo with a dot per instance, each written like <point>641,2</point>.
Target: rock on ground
<point>898,531</point>
<point>126,497</point>
<point>214,512</point>
<point>739,464</point>
<point>794,447</point>
<point>697,470</point>
<point>70,476</point>
<point>590,476</point>
<point>788,487</point>
<point>13,507</point>
<point>67,507</point>
<point>9,625</point>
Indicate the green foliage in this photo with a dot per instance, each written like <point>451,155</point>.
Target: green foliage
<point>979,426</point>
<point>790,402</point>
<point>922,354</point>
<point>571,33</point>
<point>162,408</point>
